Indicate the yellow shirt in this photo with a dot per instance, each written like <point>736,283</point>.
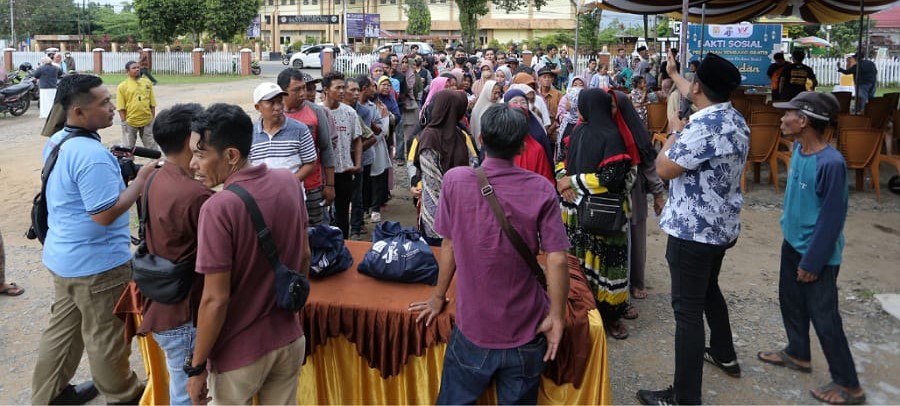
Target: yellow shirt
<point>136,98</point>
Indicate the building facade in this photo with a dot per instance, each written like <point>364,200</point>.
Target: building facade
<point>287,21</point>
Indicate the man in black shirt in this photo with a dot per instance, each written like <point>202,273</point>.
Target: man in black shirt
<point>774,73</point>
<point>794,77</point>
<point>866,81</point>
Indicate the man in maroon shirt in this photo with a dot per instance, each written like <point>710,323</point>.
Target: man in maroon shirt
<point>173,209</point>
<point>253,347</point>
<point>507,326</point>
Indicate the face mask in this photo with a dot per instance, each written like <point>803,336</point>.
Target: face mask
<point>460,61</point>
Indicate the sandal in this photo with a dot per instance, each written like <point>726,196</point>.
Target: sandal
<point>12,289</point>
<point>784,361</point>
<point>845,398</point>
<point>618,330</point>
<point>631,313</point>
<point>639,294</point>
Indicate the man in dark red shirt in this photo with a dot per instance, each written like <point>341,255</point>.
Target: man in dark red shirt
<point>507,326</point>
<point>173,209</point>
<point>254,348</point>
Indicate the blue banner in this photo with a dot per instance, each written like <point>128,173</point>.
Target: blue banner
<point>749,47</point>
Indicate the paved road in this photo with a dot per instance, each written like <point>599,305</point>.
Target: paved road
<point>272,68</point>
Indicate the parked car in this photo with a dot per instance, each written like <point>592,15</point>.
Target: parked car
<point>358,64</point>
<point>401,48</point>
<point>310,58</point>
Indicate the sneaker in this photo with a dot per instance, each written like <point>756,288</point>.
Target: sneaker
<point>731,368</point>
<point>657,397</point>
<point>376,217</point>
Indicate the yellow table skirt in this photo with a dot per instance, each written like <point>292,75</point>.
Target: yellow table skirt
<point>336,374</point>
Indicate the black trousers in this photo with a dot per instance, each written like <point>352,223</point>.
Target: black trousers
<point>380,190</point>
<point>343,194</point>
<point>362,198</point>
<point>146,72</point>
<point>694,268</point>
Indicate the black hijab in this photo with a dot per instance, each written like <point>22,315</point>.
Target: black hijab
<point>636,125</point>
<point>442,134</point>
<point>597,138</point>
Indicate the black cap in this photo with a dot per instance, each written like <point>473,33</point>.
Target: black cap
<point>718,74</point>
<point>512,59</point>
<point>641,48</point>
<point>546,71</point>
<point>821,106</point>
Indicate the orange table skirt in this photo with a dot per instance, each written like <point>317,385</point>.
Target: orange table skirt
<point>336,374</point>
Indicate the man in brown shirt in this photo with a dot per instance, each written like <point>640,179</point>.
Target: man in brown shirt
<point>174,201</point>
<point>546,77</point>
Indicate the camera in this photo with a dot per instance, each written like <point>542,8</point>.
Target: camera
<point>125,156</point>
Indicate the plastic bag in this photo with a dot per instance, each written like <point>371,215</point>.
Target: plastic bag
<point>329,254</point>
<point>399,255</point>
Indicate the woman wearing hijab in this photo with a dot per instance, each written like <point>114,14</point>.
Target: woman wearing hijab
<point>376,71</point>
<point>441,147</point>
<point>568,112</point>
<point>385,95</point>
<point>487,73</point>
<point>527,79</point>
<point>534,103</point>
<point>534,157</point>
<point>490,95</point>
<point>436,86</point>
<point>647,181</point>
<point>598,158</point>
<point>457,73</point>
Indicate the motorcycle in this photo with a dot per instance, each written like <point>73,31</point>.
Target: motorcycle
<point>255,68</point>
<point>15,99</point>
<point>285,59</point>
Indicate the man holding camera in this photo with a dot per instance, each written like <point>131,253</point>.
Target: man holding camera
<point>137,107</point>
<point>88,254</point>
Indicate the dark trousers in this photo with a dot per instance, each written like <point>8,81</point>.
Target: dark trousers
<point>638,253</point>
<point>343,193</point>
<point>379,191</point>
<point>146,72</point>
<point>694,268</point>
<point>469,370</point>
<point>816,302</point>
<point>362,198</point>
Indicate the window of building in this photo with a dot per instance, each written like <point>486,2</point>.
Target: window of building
<point>393,1</point>
<point>443,1</point>
<point>352,1</point>
<point>433,1</point>
<point>271,2</point>
<point>337,1</point>
<point>293,2</point>
<point>305,2</point>
<point>269,19</point>
<point>315,2</point>
<point>283,2</point>
<point>383,1</point>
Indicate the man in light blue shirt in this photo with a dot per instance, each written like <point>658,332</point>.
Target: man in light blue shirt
<point>87,252</point>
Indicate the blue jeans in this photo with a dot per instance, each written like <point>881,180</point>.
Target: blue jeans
<point>695,268</point>
<point>816,302</point>
<point>469,370</point>
<point>178,345</point>
<point>866,92</point>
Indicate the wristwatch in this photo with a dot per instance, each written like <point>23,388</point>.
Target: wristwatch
<point>671,133</point>
<point>192,370</point>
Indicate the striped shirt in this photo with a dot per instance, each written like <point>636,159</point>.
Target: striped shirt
<point>289,148</point>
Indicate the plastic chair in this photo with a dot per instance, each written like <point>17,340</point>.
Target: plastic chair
<point>657,122</point>
<point>879,110</point>
<point>861,148</point>
<point>763,140</point>
<point>851,121</point>
<point>742,105</point>
<point>844,99</point>
<point>766,117</point>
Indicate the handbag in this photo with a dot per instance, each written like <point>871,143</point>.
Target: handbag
<point>399,255</point>
<point>39,222</point>
<point>158,278</point>
<point>602,214</point>
<point>488,192</point>
<point>291,287</point>
<point>329,254</point>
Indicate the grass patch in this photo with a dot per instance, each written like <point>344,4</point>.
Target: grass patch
<point>116,78</point>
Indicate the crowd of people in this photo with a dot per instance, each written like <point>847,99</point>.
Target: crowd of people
<point>539,140</point>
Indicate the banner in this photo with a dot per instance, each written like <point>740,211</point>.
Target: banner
<point>253,29</point>
<point>309,19</point>
<point>750,47</point>
<point>361,25</point>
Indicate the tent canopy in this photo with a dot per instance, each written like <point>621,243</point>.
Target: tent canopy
<point>734,11</point>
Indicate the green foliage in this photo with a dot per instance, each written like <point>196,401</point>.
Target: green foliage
<point>496,44</point>
<point>419,17</point>
<point>662,28</point>
<point>803,30</point>
<point>845,37</point>
<point>588,37</point>
<point>37,17</point>
<point>471,10</point>
<point>116,26</point>
<point>163,20</point>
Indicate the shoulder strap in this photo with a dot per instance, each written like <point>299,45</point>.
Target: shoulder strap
<point>488,192</point>
<point>145,206</point>
<point>54,155</point>
<point>263,234</point>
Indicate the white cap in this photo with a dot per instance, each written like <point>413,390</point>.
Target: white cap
<point>266,91</point>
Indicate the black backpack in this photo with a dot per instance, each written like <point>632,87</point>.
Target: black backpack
<point>39,214</point>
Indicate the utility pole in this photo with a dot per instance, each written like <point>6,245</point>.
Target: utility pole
<point>12,25</point>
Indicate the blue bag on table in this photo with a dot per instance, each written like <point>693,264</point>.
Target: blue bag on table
<point>329,254</point>
<point>400,255</point>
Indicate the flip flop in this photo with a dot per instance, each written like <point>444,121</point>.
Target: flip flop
<point>639,294</point>
<point>846,397</point>
<point>12,290</point>
<point>631,313</point>
<point>618,330</point>
<point>785,361</point>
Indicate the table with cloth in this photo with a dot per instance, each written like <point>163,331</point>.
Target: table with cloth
<point>364,346</point>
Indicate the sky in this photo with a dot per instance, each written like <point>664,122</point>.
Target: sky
<point>608,16</point>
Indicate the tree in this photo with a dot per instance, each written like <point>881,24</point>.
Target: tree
<point>36,17</point>
<point>163,20</point>
<point>471,10</point>
<point>588,37</point>
<point>116,26</point>
<point>419,18</point>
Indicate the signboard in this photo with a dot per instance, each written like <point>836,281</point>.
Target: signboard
<point>253,29</point>
<point>309,19</point>
<point>749,47</point>
<point>361,25</point>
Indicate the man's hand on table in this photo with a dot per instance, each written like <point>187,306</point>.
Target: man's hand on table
<point>428,309</point>
<point>197,389</point>
<point>552,328</point>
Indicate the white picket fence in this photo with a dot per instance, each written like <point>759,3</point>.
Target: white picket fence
<point>219,63</point>
<point>171,63</point>
<point>352,64</point>
<point>828,75</point>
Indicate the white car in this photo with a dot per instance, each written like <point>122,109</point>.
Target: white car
<point>311,58</point>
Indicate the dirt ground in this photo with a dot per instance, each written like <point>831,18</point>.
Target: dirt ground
<point>645,360</point>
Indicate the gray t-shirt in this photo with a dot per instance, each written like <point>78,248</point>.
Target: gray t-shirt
<point>48,76</point>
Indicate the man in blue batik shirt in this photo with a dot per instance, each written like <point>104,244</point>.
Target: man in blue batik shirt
<point>815,207</point>
<point>704,161</point>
